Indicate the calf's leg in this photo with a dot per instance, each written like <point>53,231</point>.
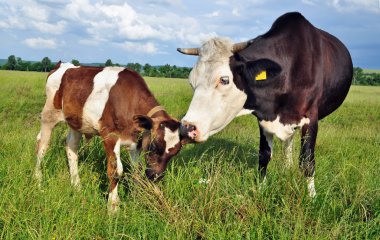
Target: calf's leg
<point>114,171</point>
<point>72,144</point>
<point>49,118</point>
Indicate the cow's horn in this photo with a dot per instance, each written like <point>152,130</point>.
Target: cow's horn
<point>189,51</point>
<point>240,46</point>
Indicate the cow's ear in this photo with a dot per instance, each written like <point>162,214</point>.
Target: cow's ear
<point>261,70</point>
<point>142,122</point>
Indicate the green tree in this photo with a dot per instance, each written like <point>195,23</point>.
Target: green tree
<point>46,64</point>
<point>108,63</point>
<point>358,76</point>
<point>12,62</point>
<point>135,66</point>
<point>75,62</point>
<point>147,69</point>
<point>26,66</point>
<point>37,66</point>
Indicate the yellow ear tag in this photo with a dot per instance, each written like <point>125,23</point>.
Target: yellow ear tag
<point>261,76</point>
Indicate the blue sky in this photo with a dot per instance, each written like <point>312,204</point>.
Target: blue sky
<point>149,31</point>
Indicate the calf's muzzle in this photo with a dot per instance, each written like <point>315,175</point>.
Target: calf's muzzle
<point>188,130</point>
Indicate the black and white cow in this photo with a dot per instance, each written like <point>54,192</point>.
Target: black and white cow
<point>289,78</point>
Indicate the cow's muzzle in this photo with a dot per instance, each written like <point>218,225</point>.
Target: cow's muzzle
<point>153,176</point>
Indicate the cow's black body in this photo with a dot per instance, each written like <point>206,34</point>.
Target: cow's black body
<point>309,75</point>
<point>290,77</point>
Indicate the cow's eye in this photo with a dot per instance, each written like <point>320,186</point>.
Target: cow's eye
<point>224,80</point>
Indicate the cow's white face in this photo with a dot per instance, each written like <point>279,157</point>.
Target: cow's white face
<point>216,100</point>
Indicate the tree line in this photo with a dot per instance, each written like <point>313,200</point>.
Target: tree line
<point>167,71</point>
<point>45,65</point>
<point>362,78</point>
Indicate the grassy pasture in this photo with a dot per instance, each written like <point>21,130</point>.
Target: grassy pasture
<point>371,71</point>
<point>209,191</point>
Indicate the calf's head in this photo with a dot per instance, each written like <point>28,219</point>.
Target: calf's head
<point>160,141</point>
<point>217,99</point>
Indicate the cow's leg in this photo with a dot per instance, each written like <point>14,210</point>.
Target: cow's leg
<point>307,160</point>
<point>265,152</point>
<point>114,171</point>
<point>49,118</point>
<point>288,152</point>
<point>72,144</point>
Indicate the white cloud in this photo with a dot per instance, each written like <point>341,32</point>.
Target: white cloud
<point>31,15</point>
<point>35,11</point>
<point>148,47</point>
<point>40,43</point>
<point>308,2</point>
<point>115,22</point>
<point>213,14</point>
<point>236,12</point>
<point>51,28</point>
<point>90,42</point>
<point>354,5</point>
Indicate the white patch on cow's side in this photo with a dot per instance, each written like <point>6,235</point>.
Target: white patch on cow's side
<point>311,187</point>
<point>282,131</point>
<point>119,165</point>
<point>54,80</point>
<point>171,139</point>
<point>94,106</point>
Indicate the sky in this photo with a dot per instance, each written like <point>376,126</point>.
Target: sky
<point>150,31</point>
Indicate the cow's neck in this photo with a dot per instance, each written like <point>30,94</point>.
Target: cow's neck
<point>146,103</point>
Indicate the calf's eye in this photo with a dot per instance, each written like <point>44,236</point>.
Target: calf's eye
<point>224,80</point>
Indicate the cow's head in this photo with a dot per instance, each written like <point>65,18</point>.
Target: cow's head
<point>216,100</point>
<point>160,141</point>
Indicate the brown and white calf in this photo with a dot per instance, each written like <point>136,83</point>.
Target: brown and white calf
<point>115,103</point>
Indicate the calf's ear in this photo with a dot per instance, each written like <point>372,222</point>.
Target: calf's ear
<point>142,122</point>
<point>261,70</point>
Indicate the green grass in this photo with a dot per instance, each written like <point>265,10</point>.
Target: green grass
<point>229,206</point>
<point>371,71</point>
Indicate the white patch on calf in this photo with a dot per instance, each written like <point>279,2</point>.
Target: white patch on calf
<point>282,131</point>
<point>94,106</point>
<point>119,165</point>
<point>171,138</point>
<point>113,200</point>
<point>54,80</point>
